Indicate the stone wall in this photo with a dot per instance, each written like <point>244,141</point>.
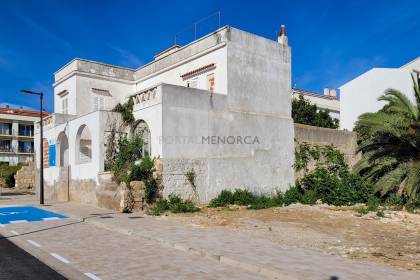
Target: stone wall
<point>174,178</point>
<point>25,177</point>
<point>345,141</point>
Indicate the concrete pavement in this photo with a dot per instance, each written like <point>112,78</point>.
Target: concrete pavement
<point>119,246</point>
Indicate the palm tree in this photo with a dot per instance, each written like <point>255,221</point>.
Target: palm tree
<point>390,144</point>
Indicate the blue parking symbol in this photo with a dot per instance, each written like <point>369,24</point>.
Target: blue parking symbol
<point>18,214</point>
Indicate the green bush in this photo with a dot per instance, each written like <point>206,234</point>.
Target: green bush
<point>243,197</point>
<point>264,202</point>
<point>246,198</point>
<point>413,205</point>
<point>380,213</point>
<point>292,195</point>
<point>330,180</point>
<point>7,174</point>
<point>223,199</point>
<point>394,200</point>
<point>309,197</point>
<point>160,207</point>
<point>144,172</point>
<point>373,203</point>
<point>175,204</point>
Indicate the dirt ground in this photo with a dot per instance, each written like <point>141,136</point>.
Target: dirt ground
<point>393,240</point>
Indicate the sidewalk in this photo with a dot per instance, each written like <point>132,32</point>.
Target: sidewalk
<point>228,250</point>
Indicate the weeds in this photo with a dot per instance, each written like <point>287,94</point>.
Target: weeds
<point>175,204</point>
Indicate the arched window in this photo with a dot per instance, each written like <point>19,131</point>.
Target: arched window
<point>83,145</point>
<point>141,128</point>
<point>62,150</point>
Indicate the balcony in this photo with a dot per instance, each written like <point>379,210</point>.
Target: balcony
<point>54,120</point>
<point>6,150</point>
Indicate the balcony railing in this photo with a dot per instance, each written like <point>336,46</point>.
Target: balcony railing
<point>5,150</point>
<point>25,151</point>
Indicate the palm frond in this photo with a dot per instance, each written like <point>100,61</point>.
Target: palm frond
<point>399,103</point>
<point>412,187</point>
<point>391,180</point>
<point>416,89</point>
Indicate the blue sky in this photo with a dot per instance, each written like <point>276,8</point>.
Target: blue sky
<point>332,41</point>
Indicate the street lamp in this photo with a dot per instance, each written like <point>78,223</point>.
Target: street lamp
<point>41,146</point>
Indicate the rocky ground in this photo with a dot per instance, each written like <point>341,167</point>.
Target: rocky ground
<point>393,240</point>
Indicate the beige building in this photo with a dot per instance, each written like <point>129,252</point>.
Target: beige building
<point>17,135</point>
<point>329,100</point>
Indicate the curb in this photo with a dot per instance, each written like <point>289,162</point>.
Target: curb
<point>207,254</point>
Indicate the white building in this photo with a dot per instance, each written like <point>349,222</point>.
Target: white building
<point>219,105</point>
<point>360,95</point>
<point>327,101</point>
<point>17,135</point>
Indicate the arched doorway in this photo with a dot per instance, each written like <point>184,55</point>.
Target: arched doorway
<point>142,129</point>
<point>62,147</point>
<point>83,145</point>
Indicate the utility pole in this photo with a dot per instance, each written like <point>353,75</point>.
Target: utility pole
<point>41,145</point>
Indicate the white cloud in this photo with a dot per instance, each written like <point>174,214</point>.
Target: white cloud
<point>127,58</point>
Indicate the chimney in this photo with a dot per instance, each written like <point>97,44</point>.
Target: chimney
<point>326,91</point>
<point>333,92</point>
<point>282,38</point>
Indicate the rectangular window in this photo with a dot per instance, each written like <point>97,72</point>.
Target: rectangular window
<point>5,146</point>
<point>26,130</point>
<point>64,106</point>
<point>193,83</point>
<point>98,102</point>
<point>5,128</point>
<point>26,147</point>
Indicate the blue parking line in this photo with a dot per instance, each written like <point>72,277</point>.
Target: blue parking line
<point>18,214</point>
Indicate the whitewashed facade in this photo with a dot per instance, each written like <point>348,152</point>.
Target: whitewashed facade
<point>360,95</point>
<point>219,105</point>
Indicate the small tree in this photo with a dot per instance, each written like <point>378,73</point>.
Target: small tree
<point>304,112</point>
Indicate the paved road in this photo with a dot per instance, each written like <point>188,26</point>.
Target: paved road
<point>18,264</point>
<point>114,246</point>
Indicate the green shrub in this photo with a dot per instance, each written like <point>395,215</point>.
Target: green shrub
<point>246,198</point>
<point>394,200</point>
<point>160,207</point>
<point>373,203</point>
<point>292,195</point>
<point>330,179</point>
<point>144,172</point>
<point>223,199</point>
<point>362,210</point>
<point>264,202</point>
<point>413,205</point>
<point>175,204</point>
<point>243,197</point>
<point>309,197</point>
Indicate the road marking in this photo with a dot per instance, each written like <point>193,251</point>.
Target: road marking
<point>14,232</point>
<point>92,276</point>
<point>34,243</point>
<point>52,218</point>
<point>18,221</point>
<point>60,258</point>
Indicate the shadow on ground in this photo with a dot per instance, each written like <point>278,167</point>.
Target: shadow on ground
<point>17,264</point>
